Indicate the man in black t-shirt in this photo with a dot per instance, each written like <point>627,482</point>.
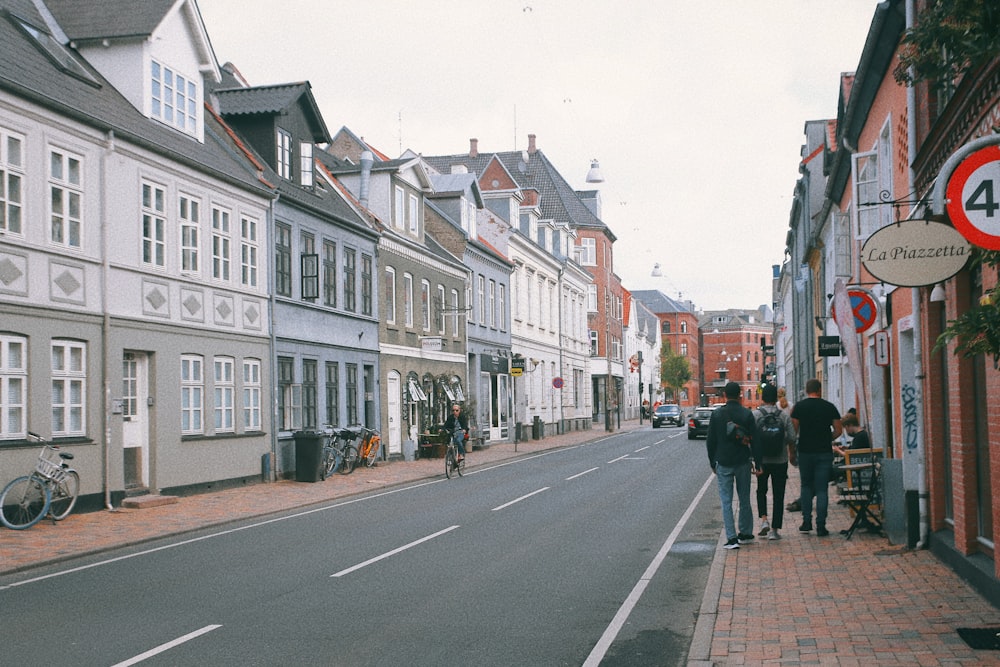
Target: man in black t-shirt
<point>817,422</point>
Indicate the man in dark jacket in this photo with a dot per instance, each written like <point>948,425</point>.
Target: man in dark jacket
<point>457,426</point>
<point>730,434</point>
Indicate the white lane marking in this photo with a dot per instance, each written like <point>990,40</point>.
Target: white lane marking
<point>604,643</point>
<point>620,458</point>
<point>641,449</point>
<point>393,552</point>
<point>517,500</point>
<point>169,645</point>
<point>581,474</point>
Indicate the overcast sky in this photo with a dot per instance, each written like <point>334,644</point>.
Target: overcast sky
<point>694,109</point>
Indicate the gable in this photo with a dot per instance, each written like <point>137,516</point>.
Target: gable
<point>496,177</point>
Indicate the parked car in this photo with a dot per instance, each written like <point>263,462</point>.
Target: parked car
<point>698,422</point>
<point>668,413</point>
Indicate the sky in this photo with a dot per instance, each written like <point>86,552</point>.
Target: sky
<point>695,110</point>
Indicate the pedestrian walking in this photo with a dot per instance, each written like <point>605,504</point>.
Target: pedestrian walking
<point>730,434</point>
<point>817,421</point>
<point>773,449</point>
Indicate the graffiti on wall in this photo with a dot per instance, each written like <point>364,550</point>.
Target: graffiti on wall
<point>910,417</point>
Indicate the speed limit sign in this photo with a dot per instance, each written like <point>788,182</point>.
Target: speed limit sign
<point>974,197</point>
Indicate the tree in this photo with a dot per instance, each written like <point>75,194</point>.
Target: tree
<point>950,38</point>
<point>675,371</point>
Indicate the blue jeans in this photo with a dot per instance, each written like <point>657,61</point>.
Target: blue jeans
<point>458,439</point>
<point>726,477</point>
<point>815,471</point>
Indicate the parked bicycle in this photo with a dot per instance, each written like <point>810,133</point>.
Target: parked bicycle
<point>453,463</point>
<point>339,455</point>
<point>371,446</point>
<point>51,489</point>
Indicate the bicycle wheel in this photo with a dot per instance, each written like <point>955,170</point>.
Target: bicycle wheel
<point>374,445</point>
<point>449,463</point>
<point>24,502</point>
<point>350,459</point>
<point>460,467</point>
<point>331,462</point>
<point>64,496</point>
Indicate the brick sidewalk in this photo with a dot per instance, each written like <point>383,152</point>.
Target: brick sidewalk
<point>799,600</point>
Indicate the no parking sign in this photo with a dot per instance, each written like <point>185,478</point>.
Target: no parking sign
<point>863,307</point>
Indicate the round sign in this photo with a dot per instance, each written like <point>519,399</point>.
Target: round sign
<point>863,307</point>
<point>557,383</point>
<point>913,253</point>
<point>973,196</point>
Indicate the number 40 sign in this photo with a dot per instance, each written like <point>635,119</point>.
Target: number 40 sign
<point>974,198</point>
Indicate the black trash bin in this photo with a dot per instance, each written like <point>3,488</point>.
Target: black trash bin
<point>308,455</point>
<point>537,428</point>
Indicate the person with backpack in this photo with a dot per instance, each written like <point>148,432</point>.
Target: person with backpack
<point>729,440</point>
<point>774,448</point>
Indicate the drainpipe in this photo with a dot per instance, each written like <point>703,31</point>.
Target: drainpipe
<point>367,160</point>
<point>275,426</point>
<point>106,319</point>
<point>562,372</point>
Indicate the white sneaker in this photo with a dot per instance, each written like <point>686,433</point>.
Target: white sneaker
<point>773,535</point>
<point>764,527</point>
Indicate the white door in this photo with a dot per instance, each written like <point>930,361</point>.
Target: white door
<point>395,439</point>
<point>135,419</point>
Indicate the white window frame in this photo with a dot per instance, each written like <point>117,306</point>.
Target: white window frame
<point>407,300</point>
<point>390,295</point>
<point>492,305</point>
<point>69,387</point>
<point>481,296</point>
<point>174,98</point>
<point>192,394</point>
<point>13,386</point>
<point>455,318</point>
<point>425,304</point>
<point>11,184</point>
<point>592,298</point>
<point>252,391</point>
<point>249,251</point>
<point>222,254</point>
<point>189,228</point>
<point>283,154</point>
<point>502,306</point>
<point>413,213</point>
<point>442,324</point>
<point>588,251</point>
<point>306,164</point>
<point>224,392</point>
<point>154,224</point>
<point>66,187</point>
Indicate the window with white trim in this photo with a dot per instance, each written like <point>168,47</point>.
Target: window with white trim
<point>284,154</point>
<point>251,394</point>
<point>221,241</point>
<point>407,299</point>
<point>492,306</point>
<point>441,306</point>
<point>481,298</point>
<point>306,164</point>
<point>224,390</point>
<point>192,394</point>
<point>457,309</point>
<point>398,208</point>
<point>592,298</point>
<point>502,306</point>
<point>69,385</point>
<point>189,221</point>
<point>390,295</point>
<point>425,305</point>
<point>588,251</point>
<point>174,99</point>
<point>11,182</point>
<point>65,198</point>
<point>249,252</point>
<point>154,223</point>
<point>413,214</point>
<point>13,385</point>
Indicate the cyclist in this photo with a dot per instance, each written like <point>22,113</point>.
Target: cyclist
<point>457,425</point>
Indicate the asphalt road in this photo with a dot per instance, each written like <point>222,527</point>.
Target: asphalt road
<point>595,554</point>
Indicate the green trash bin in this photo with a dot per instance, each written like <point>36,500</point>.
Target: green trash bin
<point>308,455</point>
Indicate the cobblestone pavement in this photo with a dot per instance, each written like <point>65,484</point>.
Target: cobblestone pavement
<point>796,601</point>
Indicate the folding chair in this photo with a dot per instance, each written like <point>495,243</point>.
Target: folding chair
<point>864,497</point>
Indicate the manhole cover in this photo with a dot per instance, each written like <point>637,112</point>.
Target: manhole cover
<point>981,638</point>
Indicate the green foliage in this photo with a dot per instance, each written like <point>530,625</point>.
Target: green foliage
<point>978,329</point>
<point>675,371</point>
<point>950,38</point>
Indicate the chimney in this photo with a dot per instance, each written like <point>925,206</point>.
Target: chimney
<point>367,160</point>
<point>473,147</point>
<point>531,145</point>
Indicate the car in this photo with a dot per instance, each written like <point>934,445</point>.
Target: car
<point>698,422</point>
<point>668,413</point>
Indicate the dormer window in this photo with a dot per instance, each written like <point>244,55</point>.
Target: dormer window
<point>174,99</point>
<point>306,166</point>
<point>55,51</point>
<point>283,154</point>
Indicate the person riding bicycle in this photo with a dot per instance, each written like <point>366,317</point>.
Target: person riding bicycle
<point>457,426</point>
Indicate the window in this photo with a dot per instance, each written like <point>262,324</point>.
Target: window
<point>306,164</point>
<point>407,299</point>
<point>470,316</point>
<point>592,298</point>
<point>56,52</point>
<point>189,219</point>
<point>282,259</point>
<point>593,343</point>
<point>11,178</point>
<point>251,394</point>
<point>502,306</point>
<point>352,394</point>
<point>290,396</point>
<point>308,267</point>
<point>454,318</point>
<point>441,306</point>
<point>350,279</point>
<point>330,274</point>
<point>684,349</point>
<point>398,211</point>
<point>332,393</point>
<point>284,154</point>
<point>249,248</point>
<point>665,327</point>
<point>413,214</point>
<point>192,394</point>
<point>174,99</point>
<point>65,194</point>
<point>154,223</point>
<point>224,391</point>
<point>309,389</point>
<point>481,298</point>
<point>492,306</point>
<point>425,305</point>
<point>588,252</point>
<point>366,284</point>
<point>13,384</point>
<point>221,252</point>
<point>390,295</point>
<point>684,327</point>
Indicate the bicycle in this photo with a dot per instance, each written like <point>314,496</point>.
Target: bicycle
<point>371,446</point>
<point>341,457</point>
<point>452,464</point>
<point>52,489</point>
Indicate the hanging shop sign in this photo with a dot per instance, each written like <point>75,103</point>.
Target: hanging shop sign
<point>973,197</point>
<point>914,253</point>
<point>829,346</point>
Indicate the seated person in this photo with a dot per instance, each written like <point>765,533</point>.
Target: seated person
<point>859,435</point>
